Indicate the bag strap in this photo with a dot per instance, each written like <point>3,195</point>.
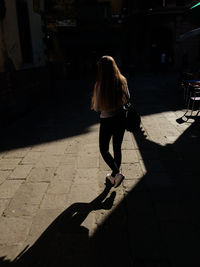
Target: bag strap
<point>127,96</point>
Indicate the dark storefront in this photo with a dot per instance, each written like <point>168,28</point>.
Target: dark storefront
<point>153,29</point>
<point>82,49</point>
<point>81,40</point>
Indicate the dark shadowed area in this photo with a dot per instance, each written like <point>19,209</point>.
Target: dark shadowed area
<point>157,222</point>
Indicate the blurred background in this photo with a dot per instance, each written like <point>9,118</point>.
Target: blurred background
<point>43,41</point>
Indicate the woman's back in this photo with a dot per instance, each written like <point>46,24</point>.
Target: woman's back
<point>110,90</point>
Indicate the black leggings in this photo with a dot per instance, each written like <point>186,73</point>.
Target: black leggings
<point>112,127</point>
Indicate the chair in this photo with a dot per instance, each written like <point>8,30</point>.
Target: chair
<point>192,97</point>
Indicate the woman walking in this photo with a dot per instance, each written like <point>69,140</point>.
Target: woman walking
<point>109,95</point>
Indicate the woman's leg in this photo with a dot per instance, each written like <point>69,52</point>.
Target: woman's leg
<point>104,139</point>
<point>117,143</point>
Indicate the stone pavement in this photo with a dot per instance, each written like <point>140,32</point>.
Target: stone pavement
<point>55,207</point>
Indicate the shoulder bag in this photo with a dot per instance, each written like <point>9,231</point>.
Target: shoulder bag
<point>133,119</point>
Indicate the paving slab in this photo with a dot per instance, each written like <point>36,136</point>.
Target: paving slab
<point>41,174</point>
<point>26,200</point>
<point>9,164</point>
<point>9,188</point>
<point>56,204</point>
<point>4,175</point>
<point>21,172</point>
<point>13,230</point>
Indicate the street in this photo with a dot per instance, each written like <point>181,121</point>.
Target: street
<point>55,208</point>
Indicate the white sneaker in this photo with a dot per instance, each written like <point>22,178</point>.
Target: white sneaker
<point>110,178</point>
<point>118,179</point>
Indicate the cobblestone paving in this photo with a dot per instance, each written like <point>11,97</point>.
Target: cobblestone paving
<point>55,208</point>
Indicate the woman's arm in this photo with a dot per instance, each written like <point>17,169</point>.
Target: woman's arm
<point>127,91</point>
<point>95,98</point>
<point>96,106</point>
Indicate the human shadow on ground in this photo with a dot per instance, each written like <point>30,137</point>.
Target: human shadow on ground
<point>155,224</point>
<point>163,207</point>
<point>65,242</point>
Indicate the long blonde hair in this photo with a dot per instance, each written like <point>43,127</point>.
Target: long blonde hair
<point>112,85</point>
